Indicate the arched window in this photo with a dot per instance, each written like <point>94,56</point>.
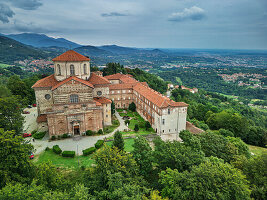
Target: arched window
<point>84,69</point>
<point>74,98</point>
<point>72,71</point>
<point>58,69</point>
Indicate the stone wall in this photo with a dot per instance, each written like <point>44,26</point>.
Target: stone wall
<point>43,102</point>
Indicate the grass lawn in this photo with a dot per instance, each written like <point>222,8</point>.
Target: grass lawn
<point>257,150</point>
<point>128,144</point>
<point>4,65</point>
<point>64,162</point>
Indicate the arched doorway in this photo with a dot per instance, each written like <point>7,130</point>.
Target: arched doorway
<point>76,130</point>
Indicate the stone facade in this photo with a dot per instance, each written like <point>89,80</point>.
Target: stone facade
<point>73,100</point>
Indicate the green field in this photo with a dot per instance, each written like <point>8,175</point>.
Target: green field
<point>64,162</point>
<point>4,65</point>
<point>257,150</point>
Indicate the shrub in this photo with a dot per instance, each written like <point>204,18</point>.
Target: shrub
<point>118,141</point>
<point>107,130</point>
<point>70,154</point>
<point>147,125</point>
<point>89,151</point>
<point>65,135</point>
<point>89,132</point>
<point>53,137</point>
<point>136,128</point>
<point>132,107</point>
<point>115,122</point>
<point>100,131</point>
<point>99,144</point>
<point>39,135</point>
<point>47,149</point>
<point>33,132</point>
<point>57,149</point>
<point>127,121</point>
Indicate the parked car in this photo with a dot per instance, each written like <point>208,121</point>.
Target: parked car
<point>27,135</point>
<point>29,106</point>
<point>31,155</point>
<point>34,105</point>
<point>26,112</point>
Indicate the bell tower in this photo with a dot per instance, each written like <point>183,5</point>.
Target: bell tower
<point>71,63</point>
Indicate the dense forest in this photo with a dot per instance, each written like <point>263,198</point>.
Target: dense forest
<point>215,164</point>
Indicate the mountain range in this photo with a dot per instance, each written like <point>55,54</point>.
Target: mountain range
<point>33,45</point>
<point>41,40</point>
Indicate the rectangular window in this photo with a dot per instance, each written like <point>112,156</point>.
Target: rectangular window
<point>163,121</point>
<point>169,111</point>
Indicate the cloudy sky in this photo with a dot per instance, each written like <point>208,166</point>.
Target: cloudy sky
<point>232,24</point>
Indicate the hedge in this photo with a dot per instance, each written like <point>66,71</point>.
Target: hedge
<point>89,132</point>
<point>57,149</point>
<point>99,144</point>
<point>39,135</point>
<point>70,154</point>
<point>89,151</point>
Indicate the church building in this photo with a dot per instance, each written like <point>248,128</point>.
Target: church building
<point>73,99</point>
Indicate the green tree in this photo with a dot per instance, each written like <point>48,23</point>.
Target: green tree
<point>118,141</point>
<point>142,154</point>
<point>48,176</point>
<point>112,108</point>
<point>147,125</point>
<point>217,145</point>
<point>256,171</point>
<point>10,114</point>
<point>210,180</point>
<point>132,107</point>
<point>20,191</point>
<point>4,92</point>
<point>15,164</point>
<point>112,160</point>
<point>176,155</point>
<point>136,128</point>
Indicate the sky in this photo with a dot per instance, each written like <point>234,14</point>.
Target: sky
<point>213,24</point>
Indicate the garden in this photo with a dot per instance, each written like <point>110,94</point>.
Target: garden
<point>55,155</point>
<point>136,124</point>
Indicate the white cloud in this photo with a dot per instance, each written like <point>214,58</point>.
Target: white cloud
<point>193,13</point>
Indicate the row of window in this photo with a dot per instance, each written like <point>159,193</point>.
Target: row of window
<point>118,91</point>
<point>72,69</point>
<point>124,98</point>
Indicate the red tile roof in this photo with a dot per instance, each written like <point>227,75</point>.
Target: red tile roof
<point>73,78</point>
<point>114,76</point>
<point>156,98</point>
<point>48,81</point>
<point>71,56</point>
<point>102,100</point>
<point>124,78</point>
<point>121,86</point>
<point>128,79</point>
<point>98,80</point>
<point>41,118</point>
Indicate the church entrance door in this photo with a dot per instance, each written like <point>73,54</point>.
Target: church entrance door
<point>76,130</point>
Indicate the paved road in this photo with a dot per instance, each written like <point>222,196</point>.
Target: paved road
<point>72,144</point>
<point>30,123</point>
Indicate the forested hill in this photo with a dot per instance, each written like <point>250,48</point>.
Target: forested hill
<point>11,50</point>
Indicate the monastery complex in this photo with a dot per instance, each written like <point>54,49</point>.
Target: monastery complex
<point>74,100</point>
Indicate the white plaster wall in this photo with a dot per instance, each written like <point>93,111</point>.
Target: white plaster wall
<point>65,70</point>
<point>175,122</point>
